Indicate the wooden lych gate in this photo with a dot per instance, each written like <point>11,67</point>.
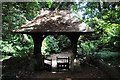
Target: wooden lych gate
<point>60,22</point>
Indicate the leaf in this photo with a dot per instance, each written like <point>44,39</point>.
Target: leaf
<point>26,38</point>
<point>18,47</point>
<point>50,2</point>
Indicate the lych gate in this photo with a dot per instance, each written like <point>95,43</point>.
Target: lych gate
<point>51,23</point>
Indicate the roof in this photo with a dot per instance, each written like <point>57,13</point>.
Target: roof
<point>55,21</point>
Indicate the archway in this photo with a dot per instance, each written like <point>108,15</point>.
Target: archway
<point>53,47</point>
<point>55,44</point>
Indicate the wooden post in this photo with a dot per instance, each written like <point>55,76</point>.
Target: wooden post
<point>73,38</point>
<point>39,63</point>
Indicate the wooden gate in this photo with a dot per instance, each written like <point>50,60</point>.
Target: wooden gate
<point>48,64</point>
<point>63,63</point>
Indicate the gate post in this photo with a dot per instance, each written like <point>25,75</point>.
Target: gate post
<point>39,62</point>
<point>74,39</point>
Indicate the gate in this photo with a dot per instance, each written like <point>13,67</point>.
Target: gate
<point>63,63</point>
<point>48,64</point>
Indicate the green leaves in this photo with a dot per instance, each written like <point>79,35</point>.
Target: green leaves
<point>50,45</point>
<point>63,41</point>
<point>89,47</point>
<point>15,15</point>
<point>54,45</point>
<point>107,28</point>
<point>74,8</point>
<point>6,48</point>
<point>50,2</point>
<point>26,38</point>
<point>16,47</point>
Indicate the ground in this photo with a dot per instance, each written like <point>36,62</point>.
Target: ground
<point>83,72</point>
<point>20,68</point>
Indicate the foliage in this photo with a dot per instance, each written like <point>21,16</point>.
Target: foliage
<point>103,17</point>
<point>14,15</point>
<point>15,48</point>
<point>64,42</point>
<point>7,48</point>
<point>110,58</point>
<point>106,25</point>
<point>54,45</point>
<point>108,33</point>
<point>105,20</point>
<point>106,54</point>
<point>87,48</point>
<point>50,45</point>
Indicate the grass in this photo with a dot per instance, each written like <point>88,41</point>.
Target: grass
<point>107,54</point>
<point>110,58</point>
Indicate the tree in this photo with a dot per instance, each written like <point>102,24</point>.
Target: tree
<point>107,25</point>
<point>15,15</point>
<point>103,17</point>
